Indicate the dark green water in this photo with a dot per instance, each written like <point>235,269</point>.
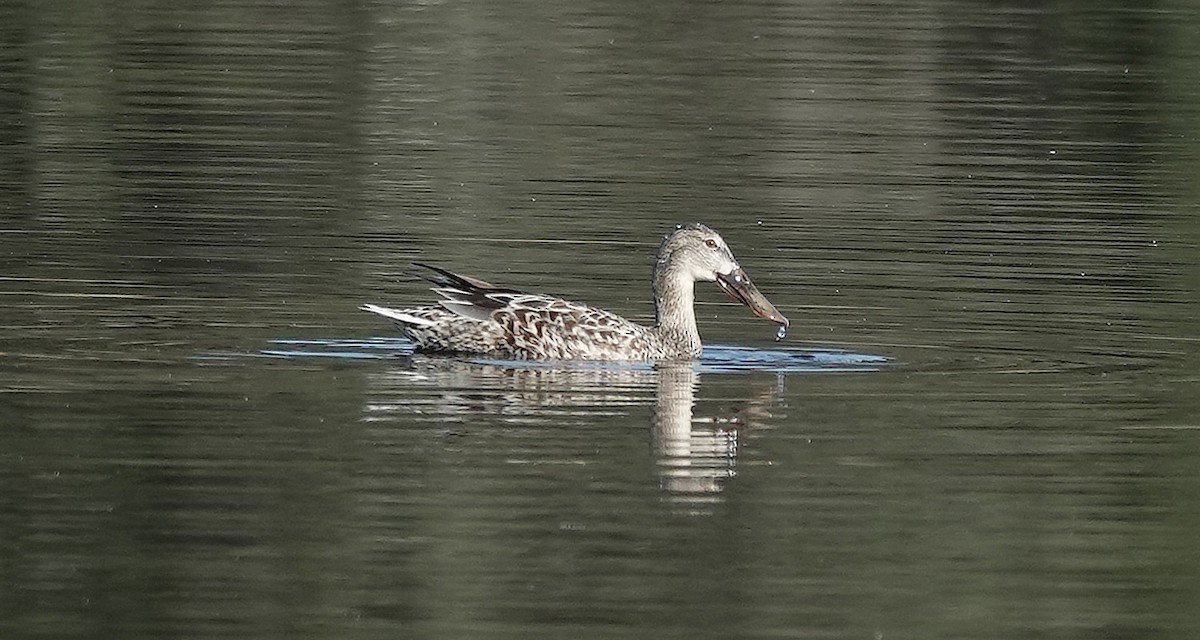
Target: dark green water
<point>194,199</point>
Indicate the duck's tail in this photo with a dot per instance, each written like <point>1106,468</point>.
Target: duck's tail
<point>400,316</point>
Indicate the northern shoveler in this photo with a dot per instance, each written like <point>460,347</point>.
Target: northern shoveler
<point>481,318</point>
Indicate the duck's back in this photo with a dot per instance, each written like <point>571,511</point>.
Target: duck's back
<point>479,317</point>
<point>536,326</point>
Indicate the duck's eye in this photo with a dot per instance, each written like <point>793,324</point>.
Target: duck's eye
<point>710,243</point>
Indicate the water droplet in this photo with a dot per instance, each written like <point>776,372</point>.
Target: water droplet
<point>780,333</point>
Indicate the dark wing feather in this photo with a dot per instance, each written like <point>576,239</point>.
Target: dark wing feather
<point>444,278</point>
<point>466,296</point>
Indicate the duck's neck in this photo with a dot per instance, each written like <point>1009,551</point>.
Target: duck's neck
<point>674,309</point>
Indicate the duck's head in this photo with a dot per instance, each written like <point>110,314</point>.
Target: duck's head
<point>701,254</point>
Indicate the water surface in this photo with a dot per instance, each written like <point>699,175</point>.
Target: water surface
<point>990,211</point>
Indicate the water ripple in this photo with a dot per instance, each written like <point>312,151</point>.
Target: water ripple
<point>715,359</point>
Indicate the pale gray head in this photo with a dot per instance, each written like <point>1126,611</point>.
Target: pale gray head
<point>700,254</point>
<point>698,250</point>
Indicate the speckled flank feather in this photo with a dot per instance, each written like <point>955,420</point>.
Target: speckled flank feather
<point>529,326</point>
<point>477,317</point>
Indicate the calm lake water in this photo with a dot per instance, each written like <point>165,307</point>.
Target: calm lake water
<point>982,220</point>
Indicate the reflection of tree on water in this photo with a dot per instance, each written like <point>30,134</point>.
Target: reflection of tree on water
<point>694,455</point>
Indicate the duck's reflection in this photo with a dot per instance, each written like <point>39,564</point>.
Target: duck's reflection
<point>695,455</point>
<point>694,459</point>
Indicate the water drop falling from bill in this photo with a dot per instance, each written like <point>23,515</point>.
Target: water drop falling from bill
<point>780,333</point>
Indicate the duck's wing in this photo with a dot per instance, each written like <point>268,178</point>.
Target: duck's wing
<point>466,296</point>
<point>547,327</point>
<point>477,316</point>
<point>444,278</point>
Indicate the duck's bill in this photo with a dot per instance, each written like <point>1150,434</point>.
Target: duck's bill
<point>736,284</point>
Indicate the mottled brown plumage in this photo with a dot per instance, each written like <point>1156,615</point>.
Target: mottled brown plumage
<point>481,318</point>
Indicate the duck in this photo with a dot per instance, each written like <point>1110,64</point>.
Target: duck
<point>475,317</point>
